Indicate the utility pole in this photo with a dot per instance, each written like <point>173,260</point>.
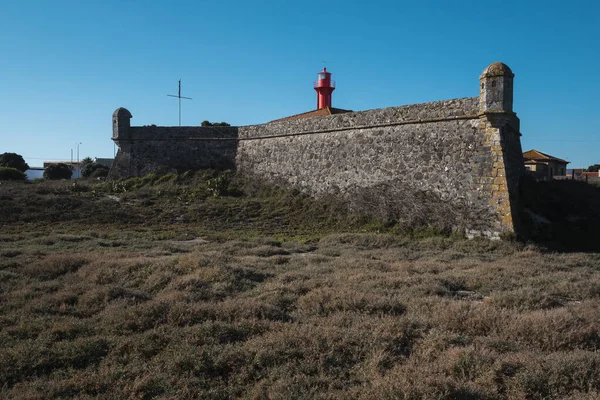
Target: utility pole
<point>179,96</point>
<point>77,168</point>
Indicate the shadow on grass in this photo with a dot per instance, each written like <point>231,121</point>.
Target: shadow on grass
<point>561,215</point>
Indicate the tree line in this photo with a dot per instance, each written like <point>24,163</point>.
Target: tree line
<point>13,167</point>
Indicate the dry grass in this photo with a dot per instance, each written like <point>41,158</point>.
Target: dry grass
<point>367,316</point>
<point>183,310</point>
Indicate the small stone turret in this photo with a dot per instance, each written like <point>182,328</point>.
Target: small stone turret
<point>121,123</point>
<point>496,89</point>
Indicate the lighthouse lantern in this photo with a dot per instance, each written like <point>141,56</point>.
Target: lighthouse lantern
<point>324,87</point>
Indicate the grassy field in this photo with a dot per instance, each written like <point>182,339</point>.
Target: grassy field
<point>183,287</point>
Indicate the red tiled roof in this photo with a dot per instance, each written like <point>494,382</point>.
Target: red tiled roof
<point>590,174</point>
<point>534,155</point>
<point>321,112</point>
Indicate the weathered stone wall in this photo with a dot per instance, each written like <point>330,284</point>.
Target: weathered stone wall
<point>410,114</point>
<point>501,136</point>
<point>454,163</point>
<point>174,149</point>
<point>432,162</point>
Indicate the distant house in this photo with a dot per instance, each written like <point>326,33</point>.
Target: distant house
<point>575,173</point>
<point>595,174</point>
<point>544,166</point>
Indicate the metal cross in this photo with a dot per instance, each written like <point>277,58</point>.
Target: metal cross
<point>179,96</point>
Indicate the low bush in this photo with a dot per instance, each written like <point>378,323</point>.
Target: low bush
<point>11,174</point>
<point>54,266</point>
<point>58,171</point>
<point>13,160</point>
<point>94,170</point>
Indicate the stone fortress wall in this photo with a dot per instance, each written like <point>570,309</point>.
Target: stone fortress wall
<point>145,149</point>
<point>459,159</point>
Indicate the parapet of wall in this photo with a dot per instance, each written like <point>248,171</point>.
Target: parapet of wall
<point>410,114</point>
<point>161,149</point>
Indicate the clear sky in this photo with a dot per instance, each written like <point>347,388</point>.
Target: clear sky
<point>65,66</point>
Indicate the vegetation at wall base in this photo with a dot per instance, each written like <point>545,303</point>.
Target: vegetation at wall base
<point>215,201</point>
<point>94,170</point>
<point>173,287</point>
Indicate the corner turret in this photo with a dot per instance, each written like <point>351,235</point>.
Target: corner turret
<point>496,89</point>
<point>121,123</point>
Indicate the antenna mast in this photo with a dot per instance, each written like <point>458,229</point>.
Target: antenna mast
<point>179,96</point>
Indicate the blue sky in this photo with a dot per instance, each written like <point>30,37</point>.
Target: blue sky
<point>65,66</point>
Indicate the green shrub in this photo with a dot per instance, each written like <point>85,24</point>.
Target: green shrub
<point>58,171</point>
<point>217,186</point>
<point>223,184</point>
<point>11,174</point>
<point>94,170</point>
<point>208,123</point>
<point>100,173</point>
<point>13,160</point>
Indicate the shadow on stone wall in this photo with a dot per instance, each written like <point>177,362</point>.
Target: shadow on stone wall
<point>164,150</point>
<point>561,215</point>
<point>410,208</point>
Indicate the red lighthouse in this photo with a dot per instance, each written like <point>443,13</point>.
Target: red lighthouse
<point>324,87</point>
